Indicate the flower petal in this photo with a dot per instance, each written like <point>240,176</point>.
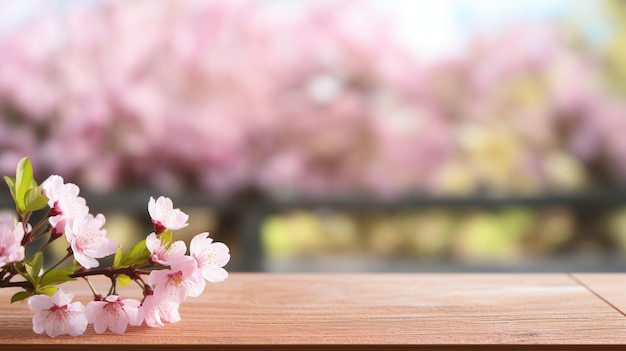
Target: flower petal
<point>39,321</point>
<point>118,322</point>
<point>62,297</point>
<point>54,327</point>
<point>215,274</point>
<point>76,324</point>
<point>40,303</point>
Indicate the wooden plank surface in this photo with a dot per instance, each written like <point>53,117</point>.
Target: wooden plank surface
<point>415,309</point>
<point>610,287</point>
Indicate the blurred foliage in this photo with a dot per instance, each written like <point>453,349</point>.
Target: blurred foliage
<point>522,111</point>
<point>307,104</point>
<point>509,234</point>
<point>615,52</point>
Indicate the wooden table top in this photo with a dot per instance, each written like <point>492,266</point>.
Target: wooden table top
<point>352,309</point>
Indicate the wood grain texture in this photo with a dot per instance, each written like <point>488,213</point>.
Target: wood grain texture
<point>610,287</point>
<point>306,309</point>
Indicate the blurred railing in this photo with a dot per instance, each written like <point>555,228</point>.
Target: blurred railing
<point>245,216</point>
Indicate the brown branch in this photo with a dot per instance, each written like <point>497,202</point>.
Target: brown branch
<point>108,272</point>
<point>23,284</point>
<point>133,272</point>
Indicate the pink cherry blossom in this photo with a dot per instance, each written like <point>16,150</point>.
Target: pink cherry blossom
<point>333,113</point>
<point>157,308</point>
<point>165,216</point>
<point>57,315</point>
<point>11,235</point>
<point>163,253</point>
<point>113,313</point>
<point>63,199</point>
<point>182,280</point>
<point>88,240</point>
<point>210,257</point>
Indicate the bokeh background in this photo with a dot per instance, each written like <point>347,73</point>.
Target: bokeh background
<point>457,135</point>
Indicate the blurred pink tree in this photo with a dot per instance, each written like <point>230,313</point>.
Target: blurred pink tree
<point>225,95</point>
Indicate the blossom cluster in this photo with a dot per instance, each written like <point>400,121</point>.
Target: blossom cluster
<point>172,274</point>
<point>313,102</point>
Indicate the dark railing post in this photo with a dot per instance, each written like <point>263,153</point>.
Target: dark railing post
<point>250,224</point>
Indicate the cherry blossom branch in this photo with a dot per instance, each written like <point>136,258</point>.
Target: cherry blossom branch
<point>22,284</point>
<point>39,226</point>
<point>68,255</point>
<point>11,271</point>
<point>173,275</point>
<point>28,235</point>
<point>131,271</point>
<point>96,296</point>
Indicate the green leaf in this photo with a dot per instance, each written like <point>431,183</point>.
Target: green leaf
<point>33,267</point>
<point>11,183</point>
<point>35,200</point>
<point>123,280</point>
<point>55,277</point>
<point>48,290</point>
<point>117,259</point>
<point>21,269</point>
<point>138,254</point>
<point>23,182</point>
<point>20,295</point>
